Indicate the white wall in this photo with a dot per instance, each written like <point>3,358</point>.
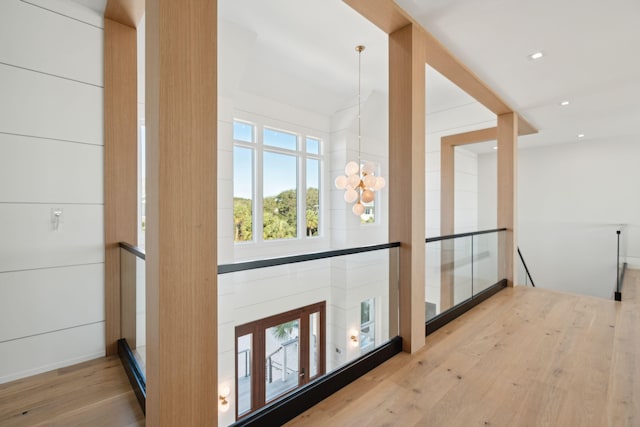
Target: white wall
<point>571,198</point>
<point>343,282</point>
<point>51,157</point>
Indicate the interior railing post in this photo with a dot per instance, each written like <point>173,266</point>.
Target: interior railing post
<point>618,293</point>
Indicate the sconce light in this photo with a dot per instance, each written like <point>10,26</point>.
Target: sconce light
<point>223,393</point>
<point>354,338</point>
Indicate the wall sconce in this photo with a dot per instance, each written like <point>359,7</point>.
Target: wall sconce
<point>354,338</point>
<point>223,393</point>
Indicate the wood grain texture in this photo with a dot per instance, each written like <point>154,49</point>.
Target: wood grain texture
<point>120,163</point>
<point>384,14</point>
<point>524,357</point>
<point>181,247</point>
<point>390,17</point>
<point>472,137</point>
<point>126,12</point>
<point>407,167</point>
<point>507,194</point>
<point>447,224</point>
<point>94,393</point>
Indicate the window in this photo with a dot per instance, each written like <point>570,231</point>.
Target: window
<point>367,325</point>
<point>276,173</point>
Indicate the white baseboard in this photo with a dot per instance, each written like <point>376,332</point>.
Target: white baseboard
<point>633,262</point>
<point>50,367</point>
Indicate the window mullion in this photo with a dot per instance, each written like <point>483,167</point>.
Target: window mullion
<point>259,185</point>
<point>302,195</point>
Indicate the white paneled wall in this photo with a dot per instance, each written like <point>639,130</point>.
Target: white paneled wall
<point>571,199</point>
<point>51,158</point>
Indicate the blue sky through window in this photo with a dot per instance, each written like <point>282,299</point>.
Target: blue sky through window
<point>280,173</point>
<point>242,172</point>
<point>279,139</point>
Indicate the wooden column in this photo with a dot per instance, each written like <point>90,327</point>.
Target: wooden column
<point>181,125</point>
<point>120,163</point>
<point>407,176</point>
<point>507,187</point>
<point>447,221</point>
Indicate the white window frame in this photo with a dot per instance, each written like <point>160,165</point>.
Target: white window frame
<point>301,156</point>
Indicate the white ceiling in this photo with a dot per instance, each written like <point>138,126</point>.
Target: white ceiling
<point>95,5</point>
<point>301,52</point>
<point>590,59</point>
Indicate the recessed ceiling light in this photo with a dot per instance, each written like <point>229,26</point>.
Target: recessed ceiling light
<point>564,103</point>
<point>536,55</point>
<point>581,135</point>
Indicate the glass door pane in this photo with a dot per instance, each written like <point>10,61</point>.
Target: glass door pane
<point>282,354</point>
<point>244,374</point>
<point>314,344</point>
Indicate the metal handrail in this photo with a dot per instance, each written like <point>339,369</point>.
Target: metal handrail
<point>456,236</point>
<point>272,262</point>
<point>139,252</point>
<point>525,267</point>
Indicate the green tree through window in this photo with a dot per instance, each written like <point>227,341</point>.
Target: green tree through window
<point>282,155</point>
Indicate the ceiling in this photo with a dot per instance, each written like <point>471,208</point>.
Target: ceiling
<point>301,52</point>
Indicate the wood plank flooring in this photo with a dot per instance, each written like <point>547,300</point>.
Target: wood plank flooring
<point>95,393</point>
<point>525,357</point>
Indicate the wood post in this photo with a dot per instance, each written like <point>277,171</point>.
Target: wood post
<point>447,221</point>
<point>507,187</point>
<point>407,176</point>
<point>181,131</point>
<point>120,163</point>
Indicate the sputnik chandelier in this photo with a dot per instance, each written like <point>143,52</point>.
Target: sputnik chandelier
<point>360,182</point>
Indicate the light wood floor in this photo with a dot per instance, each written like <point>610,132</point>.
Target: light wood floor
<point>525,357</point>
<point>95,393</point>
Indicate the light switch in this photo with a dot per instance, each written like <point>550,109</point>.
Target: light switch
<point>56,218</point>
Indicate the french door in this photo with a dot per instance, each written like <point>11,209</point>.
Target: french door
<point>278,354</point>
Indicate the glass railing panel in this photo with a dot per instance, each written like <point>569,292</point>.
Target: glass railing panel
<point>132,304</point>
<point>459,267</point>
<point>449,274</point>
<point>485,261</point>
<point>284,326</point>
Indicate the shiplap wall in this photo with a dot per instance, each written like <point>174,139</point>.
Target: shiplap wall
<point>51,157</point>
<point>571,199</point>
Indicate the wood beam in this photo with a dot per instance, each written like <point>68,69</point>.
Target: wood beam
<point>126,12</point>
<point>384,14</point>
<point>507,188</point>
<point>389,17</point>
<point>525,128</point>
<point>120,163</point>
<point>407,167</point>
<point>473,137</point>
<point>182,291</point>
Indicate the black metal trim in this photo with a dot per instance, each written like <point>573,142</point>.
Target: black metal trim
<point>618,293</point>
<point>455,236</point>
<point>272,262</point>
<point>442,319</point>
<point>131,367</point>
<point>525,267</point>
<point>134,250</point>
<point>292,405</point>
